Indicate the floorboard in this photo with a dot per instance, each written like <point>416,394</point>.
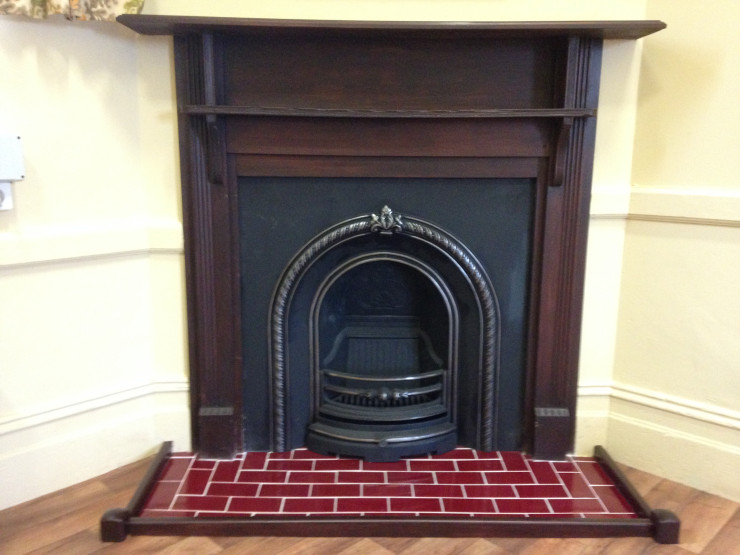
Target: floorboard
<point>67,522</point>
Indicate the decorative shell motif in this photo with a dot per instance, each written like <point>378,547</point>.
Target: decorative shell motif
<point>387,222</point>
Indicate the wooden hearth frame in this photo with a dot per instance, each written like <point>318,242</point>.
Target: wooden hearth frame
<point>240,117</point>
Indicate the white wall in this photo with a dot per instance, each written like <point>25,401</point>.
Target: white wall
<point>676,392</point>
<point>92,333</point>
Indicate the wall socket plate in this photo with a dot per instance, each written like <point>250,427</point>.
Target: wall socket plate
<point>11,157</point>
<point>11,167</point>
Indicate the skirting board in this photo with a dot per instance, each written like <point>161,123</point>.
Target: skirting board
<point>105,432</point>
<point>676,447</point>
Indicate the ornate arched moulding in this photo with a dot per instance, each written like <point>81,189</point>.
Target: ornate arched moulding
<point>388,223</point>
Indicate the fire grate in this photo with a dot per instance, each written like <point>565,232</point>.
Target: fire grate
<point>384,391</point>
<point>378,399</point>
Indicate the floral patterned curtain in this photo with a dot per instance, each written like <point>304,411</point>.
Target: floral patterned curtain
<point>104,10</point>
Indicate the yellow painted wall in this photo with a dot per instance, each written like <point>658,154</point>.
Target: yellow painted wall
<point>94,336</point>
<point>676,394</point>
<point>689,89</point>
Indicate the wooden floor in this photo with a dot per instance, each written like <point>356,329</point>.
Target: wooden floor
<point>67,522</point>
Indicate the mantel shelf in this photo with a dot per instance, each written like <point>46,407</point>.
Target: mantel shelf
<point>180,25</point>
<point>222,110</point>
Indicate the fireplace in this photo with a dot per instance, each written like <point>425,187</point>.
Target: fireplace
<point>385,230</point>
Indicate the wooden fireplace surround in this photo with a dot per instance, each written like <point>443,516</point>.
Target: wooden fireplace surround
<point>359,99</point>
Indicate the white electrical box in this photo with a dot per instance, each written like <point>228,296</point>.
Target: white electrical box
<point>11,167</point>
<point>11,158</point>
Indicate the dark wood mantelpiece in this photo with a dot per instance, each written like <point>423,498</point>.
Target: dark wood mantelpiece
<point>183,25</point>
<point>435,31</point>
<point>350,99</point>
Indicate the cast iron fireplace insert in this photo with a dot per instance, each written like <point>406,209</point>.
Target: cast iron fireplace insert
<point>407,106</point>
<point>386,330</point>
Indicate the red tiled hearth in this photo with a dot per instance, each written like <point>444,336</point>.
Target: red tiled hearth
<point>463,482</point>
<point>463,493</point>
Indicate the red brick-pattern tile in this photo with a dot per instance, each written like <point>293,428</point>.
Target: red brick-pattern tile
<point>415,504</point>
<point>362,504</point>
<point>457,505</point>
<point>308,505</point>
<point>423,465</point>
<point>254,461</point>
<point>576,485</point>
<point>199,503</point>
<point>462,482</point>
<point>460,478</point>
<point>255,505</point>
<point>522,506</point>
<point>594,473</point>
<point>284,490</point>
<point>536,490</point>
<point>513,461</point>
<point>387,490</point>
<point>411,477</point>
<point>442,490</point>
<point>224,489</point>
<point>196,481</point>
<point>204,464</point>
<point>564,466</point>
<point>576,505</point>
<point>496,490</point>
<point>260,476</point>
<point>337,464</point>
<point>312,477</point>
<point>543,472</point>
<point>613,501</point>
<point>176,468</point>
<point>486,464</point>
<point>302,464</point>
<point>162,495</point>
<point>336,490</point>
<point>226,471</point>
<point>361,478</point>
<point>514,477</point>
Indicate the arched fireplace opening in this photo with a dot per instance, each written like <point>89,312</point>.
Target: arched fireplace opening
<point>385,337</point>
